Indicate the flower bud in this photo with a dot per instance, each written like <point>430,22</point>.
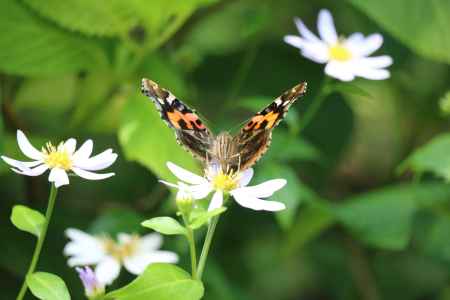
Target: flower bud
<point>92,287</point>
<point>184,199</point>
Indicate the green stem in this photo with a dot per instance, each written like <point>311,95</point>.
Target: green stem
<point>40,241</point>
<point>205,250</point>
<point>191,241</point>
<point>325,90</point>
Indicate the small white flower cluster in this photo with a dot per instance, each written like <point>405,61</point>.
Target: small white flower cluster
<point>234,184</point>
<point>60,160</point>
<point>345,58</point>
<point>135,253</point>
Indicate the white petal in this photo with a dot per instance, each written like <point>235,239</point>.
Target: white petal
<point>107,270</point>
<point>150,242</point>
<point>246,176</point>
<point>340,70</point>
<point>371,44</point>
<point>317,52</point>
<point>294,40</point>
<point>124,238</point>
<point>59,177</point>
<point>136,264</point>
<point>376,62</point>
<point>326,28</point>
<point>169,183</point>
<point>97,162</point>
<point>372,74</point>
<point>91,175</point>
<point>85,249</point>
<point>26,147</point>
<point>216,201</point>
<point>21,164</point>
<point>262,190</point>
<point>70,145</point>
<point>200,191</point>
<point>305,32</point>
<point>39,170</point>
<point>185,175</point>
<point>84,152</point>
<point>354,42</point>
<point>257,204</point>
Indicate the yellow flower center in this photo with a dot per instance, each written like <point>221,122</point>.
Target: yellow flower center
<point>339,52</point>
<point>121,251</point>
<point>225,182</point>
<point>57,157</point>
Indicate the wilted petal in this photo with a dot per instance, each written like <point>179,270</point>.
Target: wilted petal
<point>58,177</point>
<point>91,175</point>
<point>107,270</point>
<point>216,201</point>
<point>185,175</point>
<point>136,264</point>
<point>326,28</point>
<point>254,203</point>
<point>26,147</point>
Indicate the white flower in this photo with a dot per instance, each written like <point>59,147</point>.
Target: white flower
<point>60,160</point>
<point>234,184</point>
<point>345,58</point>
<point>133,252</point>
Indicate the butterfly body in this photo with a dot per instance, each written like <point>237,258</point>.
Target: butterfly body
<point>230,153</point>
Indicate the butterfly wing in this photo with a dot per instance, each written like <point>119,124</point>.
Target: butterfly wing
<point>189,129</point>
<point>254,138</point>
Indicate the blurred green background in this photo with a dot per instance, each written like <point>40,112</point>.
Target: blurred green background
<point>368,180</point>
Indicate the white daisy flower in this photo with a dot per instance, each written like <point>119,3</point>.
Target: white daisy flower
<point>234,184</point>
<point>60,160</point>
<point>345,58</point>
<point>131,251</point>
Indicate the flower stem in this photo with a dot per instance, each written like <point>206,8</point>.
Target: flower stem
<point>209,235</point>
<point>325,90</point>
<point>191,241</point>
<point>40,241</point>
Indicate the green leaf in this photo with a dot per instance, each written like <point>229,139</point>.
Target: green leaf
<point>46,286</point>
<point>432,157</point>
<point>204,217</point>
<point>27,219</point>
<point>31,46</point>
<point>383,218</point>
<point>146,139</point>
<point>165,225</point>
<point>160,282</point>
<point>420,25</point>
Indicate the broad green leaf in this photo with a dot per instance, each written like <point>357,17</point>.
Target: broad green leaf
<point>420,25</point>
<point>27,219</point>
<point>146,139</point>
<point>31,46</point>
<point>160,282</point>
<point>432,157</point>
<point>204,217</point>
<point>383,218</point>
<point>444,104</point>
<point>46,286</point>
<point>101,17</point>
<point>165,225</point>
<point>437,243</point>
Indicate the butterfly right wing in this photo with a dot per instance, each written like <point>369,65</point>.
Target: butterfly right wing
<point>189,129</point>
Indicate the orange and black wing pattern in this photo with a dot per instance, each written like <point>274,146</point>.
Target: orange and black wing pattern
<point>189,129</point>
<point>254,138</point>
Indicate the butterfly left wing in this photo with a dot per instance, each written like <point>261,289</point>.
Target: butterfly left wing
<point>254,138</point>
<point>189,129</point>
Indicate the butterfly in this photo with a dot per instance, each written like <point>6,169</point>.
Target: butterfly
<point>230,153</point>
